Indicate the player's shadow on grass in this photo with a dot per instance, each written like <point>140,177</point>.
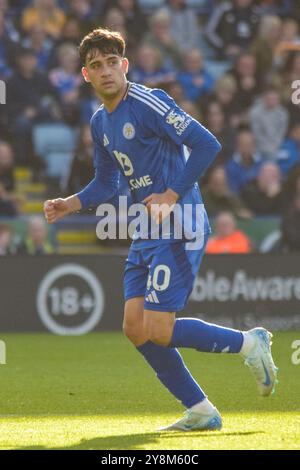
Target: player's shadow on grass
<point>137,441</point>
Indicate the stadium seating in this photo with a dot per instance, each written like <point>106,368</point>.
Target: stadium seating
<point>55,144</point>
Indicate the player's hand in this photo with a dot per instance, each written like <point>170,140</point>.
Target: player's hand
<point>55,209</point>
<point>159,205</point>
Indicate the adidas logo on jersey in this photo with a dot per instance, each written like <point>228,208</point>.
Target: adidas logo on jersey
<point>152,298</point>
<point>105,140</point>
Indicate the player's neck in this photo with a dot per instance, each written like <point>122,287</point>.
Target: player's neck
<point>111,104</point>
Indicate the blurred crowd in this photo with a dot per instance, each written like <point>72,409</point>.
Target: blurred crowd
<point>233,65</point>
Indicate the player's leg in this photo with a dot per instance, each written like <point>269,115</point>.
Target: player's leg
<point>164,329</point>
<point>159,326</point>
<point>172,272</point>
<point>133,326</point>
<point>200,413</point>
<point>166,362</point>
<point>254,346</point>
<point>171,371</point>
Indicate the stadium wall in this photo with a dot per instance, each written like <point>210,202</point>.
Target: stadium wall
<point>76,295</point>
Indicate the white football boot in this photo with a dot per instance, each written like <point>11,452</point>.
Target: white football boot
<point>259,360</point>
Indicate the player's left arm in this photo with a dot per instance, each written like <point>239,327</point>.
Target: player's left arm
<point>181,128</point>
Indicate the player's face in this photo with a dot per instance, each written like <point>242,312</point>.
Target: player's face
<point>106,73</point>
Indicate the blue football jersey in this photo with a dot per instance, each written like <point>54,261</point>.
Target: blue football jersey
<point>144,139</point>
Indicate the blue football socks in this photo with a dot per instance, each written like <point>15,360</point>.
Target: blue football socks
<point>168,363</point>
<point>206,337</point>
<point>172,372</point>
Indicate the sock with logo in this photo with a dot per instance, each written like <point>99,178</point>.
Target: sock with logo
<point>172,372</point>
<point>206,337</point>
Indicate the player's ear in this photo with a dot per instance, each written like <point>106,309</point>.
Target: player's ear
<point>85,74</point>
<point>125,65</point>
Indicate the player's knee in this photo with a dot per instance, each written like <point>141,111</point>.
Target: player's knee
<point>132,332</point>
<point>159,327</point>
<point>159,336</point>
<point>128,329</point>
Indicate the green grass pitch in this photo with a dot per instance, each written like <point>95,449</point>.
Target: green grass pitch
<point>96,392</point>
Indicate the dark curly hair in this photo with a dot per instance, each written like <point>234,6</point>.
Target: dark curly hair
<point>101,40</point>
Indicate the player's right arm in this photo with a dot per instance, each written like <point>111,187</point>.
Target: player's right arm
<point>55,209</point>
<point>103,186</point>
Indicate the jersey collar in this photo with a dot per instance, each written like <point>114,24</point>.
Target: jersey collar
<point>127,90</point>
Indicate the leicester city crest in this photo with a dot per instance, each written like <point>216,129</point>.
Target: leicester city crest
<point>128,130</point>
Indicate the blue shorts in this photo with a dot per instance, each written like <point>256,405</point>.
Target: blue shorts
<point>164,275</point>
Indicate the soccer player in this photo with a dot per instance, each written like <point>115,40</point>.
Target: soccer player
<point>141,132</point>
